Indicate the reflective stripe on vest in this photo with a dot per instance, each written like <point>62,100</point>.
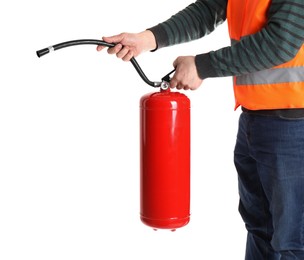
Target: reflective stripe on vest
<point>272,76</point>
<point>278,87</point>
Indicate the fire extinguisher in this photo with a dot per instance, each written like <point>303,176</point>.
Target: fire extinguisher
<point>165,159</point>
<point>164,150</point>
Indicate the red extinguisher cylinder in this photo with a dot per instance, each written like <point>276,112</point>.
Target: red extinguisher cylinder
<point>165,160</point>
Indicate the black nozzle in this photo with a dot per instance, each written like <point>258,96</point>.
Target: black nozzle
<point>42,52</point>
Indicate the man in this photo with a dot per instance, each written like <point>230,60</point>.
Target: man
<point>266,58</point>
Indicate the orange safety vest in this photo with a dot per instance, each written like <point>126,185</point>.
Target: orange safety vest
<point>276,88</point>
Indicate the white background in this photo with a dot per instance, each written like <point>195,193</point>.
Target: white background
<point>69,139</point>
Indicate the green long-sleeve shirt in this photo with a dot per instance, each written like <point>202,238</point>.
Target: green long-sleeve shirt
<point>278,42</point>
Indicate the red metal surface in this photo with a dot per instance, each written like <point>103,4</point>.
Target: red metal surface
<point>165,159</point>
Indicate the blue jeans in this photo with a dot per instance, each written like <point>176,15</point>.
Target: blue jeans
<point>269,158</point>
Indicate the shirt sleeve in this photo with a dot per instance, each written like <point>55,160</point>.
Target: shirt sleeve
<point>278,42</point>
<point>195,21</point>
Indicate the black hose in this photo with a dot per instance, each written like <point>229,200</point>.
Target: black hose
<point>96,42</point>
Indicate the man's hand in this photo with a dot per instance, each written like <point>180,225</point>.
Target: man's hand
<point>130,45</point>
<point>185,76</point>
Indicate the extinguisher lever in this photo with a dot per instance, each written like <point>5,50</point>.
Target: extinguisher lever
<point>167,77</point>
<point>165,84</point>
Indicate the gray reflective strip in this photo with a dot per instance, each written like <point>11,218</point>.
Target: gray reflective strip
<point>272,76</point>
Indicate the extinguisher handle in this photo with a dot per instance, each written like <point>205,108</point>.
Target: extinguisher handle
<point>96,42</point>
<point>167,77</point>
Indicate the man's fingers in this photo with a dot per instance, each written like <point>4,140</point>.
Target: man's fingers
<point>117,48</point>
<point>123,52</point>
<point>100,48</point>
<point>113,39</point>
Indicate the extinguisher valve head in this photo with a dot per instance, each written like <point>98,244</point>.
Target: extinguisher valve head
<point>164,85</point>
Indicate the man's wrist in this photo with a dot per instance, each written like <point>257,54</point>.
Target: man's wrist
<point>149,39</point>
